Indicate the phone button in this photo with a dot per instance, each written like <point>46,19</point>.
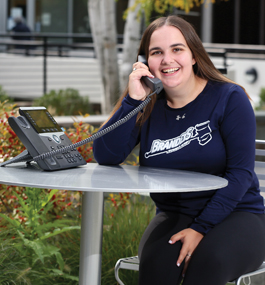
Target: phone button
<point>56,139</point>
<point>23,123</point>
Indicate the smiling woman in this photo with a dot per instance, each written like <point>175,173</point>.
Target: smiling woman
<point>171,60</point>
<point>201,122</point>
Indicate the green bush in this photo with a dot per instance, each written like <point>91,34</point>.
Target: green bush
<point>261,105</point>
<point>39,228</point>
<point>64,103</point>
<point>35,233</point>
<point>125,219</point>
<point>4,96</point>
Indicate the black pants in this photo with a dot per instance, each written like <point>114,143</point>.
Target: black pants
<point>232,248</point>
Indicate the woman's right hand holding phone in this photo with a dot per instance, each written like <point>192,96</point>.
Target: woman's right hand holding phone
<point>137,89</point>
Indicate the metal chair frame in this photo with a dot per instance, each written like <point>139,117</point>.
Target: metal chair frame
<point>132,263</point>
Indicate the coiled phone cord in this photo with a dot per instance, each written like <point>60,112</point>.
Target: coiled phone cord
<point>99,133</point>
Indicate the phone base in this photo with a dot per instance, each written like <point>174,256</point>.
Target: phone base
<point>23,156</point>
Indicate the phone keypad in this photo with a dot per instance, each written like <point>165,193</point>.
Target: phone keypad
<point>72,156</point>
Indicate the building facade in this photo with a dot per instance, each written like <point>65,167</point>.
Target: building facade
<point>225,21</point>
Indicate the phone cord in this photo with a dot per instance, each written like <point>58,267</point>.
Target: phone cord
<point>99,133</point>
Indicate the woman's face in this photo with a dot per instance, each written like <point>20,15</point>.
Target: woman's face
<point>170,58</point>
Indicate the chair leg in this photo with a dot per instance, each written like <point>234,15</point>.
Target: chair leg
<point>238,281</point>
<point>117,267</point>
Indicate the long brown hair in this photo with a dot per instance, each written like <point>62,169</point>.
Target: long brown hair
<point>204,68</point>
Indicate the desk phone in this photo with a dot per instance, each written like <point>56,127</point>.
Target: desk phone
<point>48,145</point>
<point>40,133</point>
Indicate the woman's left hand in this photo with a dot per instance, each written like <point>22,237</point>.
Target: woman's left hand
<point>190,240</point>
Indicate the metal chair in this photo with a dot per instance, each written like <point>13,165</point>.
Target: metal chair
<point>132,263</point>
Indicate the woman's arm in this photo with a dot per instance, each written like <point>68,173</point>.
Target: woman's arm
<point>238,130</point>
<point>115,146</point>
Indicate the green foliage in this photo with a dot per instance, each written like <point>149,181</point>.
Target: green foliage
<point>9,142</point>
<point>34,261</point>
<point>40,229</point>
<point>160,7</point>
<point>261,105</point>
<point>81,131</point>
<point>64,102</point>
<point>35,229</point>
<point>4,96</point>
<point>125,219</point>
<point>15,267</point>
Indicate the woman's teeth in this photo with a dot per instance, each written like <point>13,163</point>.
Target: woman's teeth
<point>171,70</point>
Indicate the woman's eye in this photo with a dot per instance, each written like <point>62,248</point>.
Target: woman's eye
<point>156,52</point>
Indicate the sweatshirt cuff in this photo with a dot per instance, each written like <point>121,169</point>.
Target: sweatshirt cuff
<point>132,101</point>
<point>200,228</point>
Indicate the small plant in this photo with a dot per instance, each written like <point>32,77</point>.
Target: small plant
<point>64,103</point>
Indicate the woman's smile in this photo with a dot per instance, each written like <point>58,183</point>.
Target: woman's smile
<point>170,70</point>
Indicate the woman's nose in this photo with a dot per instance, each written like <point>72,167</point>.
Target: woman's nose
<point>167,58</point>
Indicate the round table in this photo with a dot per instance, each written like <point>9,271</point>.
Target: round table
<point>94,180</point>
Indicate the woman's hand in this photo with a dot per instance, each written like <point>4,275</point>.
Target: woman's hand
<point>137,89</point>
<point>190,240</point>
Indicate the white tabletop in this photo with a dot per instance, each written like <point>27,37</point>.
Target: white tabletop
<point>94,177</point>
<point>93,180</point>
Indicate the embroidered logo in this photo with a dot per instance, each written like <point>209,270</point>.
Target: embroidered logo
<point>180,117</point>
<point>201,132</point>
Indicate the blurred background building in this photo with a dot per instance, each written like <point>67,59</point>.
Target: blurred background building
<point>225,23</point>
<point>232,21</point>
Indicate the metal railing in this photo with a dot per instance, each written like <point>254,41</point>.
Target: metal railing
<point>59,44</point>
<point>48,44</point>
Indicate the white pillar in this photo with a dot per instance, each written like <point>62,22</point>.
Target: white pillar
<point>31,14</point>
<point>207,17</point>
<point>3,16</point>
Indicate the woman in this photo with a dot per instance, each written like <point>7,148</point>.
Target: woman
<point>201,122</point>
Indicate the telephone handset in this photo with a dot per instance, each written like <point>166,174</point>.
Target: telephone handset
<point>40,133</point>
<point>152,83</point>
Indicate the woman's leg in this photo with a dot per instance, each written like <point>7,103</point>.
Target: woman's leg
<point>232,248</point>
<point>157,257</point>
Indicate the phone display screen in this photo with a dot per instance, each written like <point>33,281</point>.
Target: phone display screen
<point>41,120</point>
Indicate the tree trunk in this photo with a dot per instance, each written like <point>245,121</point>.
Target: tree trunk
<point>103,27</point>
<point>111,72</point>
<point>130,43</point>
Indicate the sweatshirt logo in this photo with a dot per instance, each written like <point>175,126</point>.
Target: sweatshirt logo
<point>201,132</point>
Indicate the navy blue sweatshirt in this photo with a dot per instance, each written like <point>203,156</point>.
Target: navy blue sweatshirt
<point>213,134</point>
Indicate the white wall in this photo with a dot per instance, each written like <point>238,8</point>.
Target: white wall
<point>236,72</point>
<point>22,76</point>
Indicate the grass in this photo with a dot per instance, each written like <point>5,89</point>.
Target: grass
<point>125,219</point>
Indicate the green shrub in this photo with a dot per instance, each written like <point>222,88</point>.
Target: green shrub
<point>35,232</point>
<point>125,219</point>
<point>4,96</point>
<point>261,105</point>
<point>64,103</point>
<point>40,257</point>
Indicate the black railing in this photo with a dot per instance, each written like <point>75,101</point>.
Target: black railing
<point>48,44</point>
<point>59,44</point>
